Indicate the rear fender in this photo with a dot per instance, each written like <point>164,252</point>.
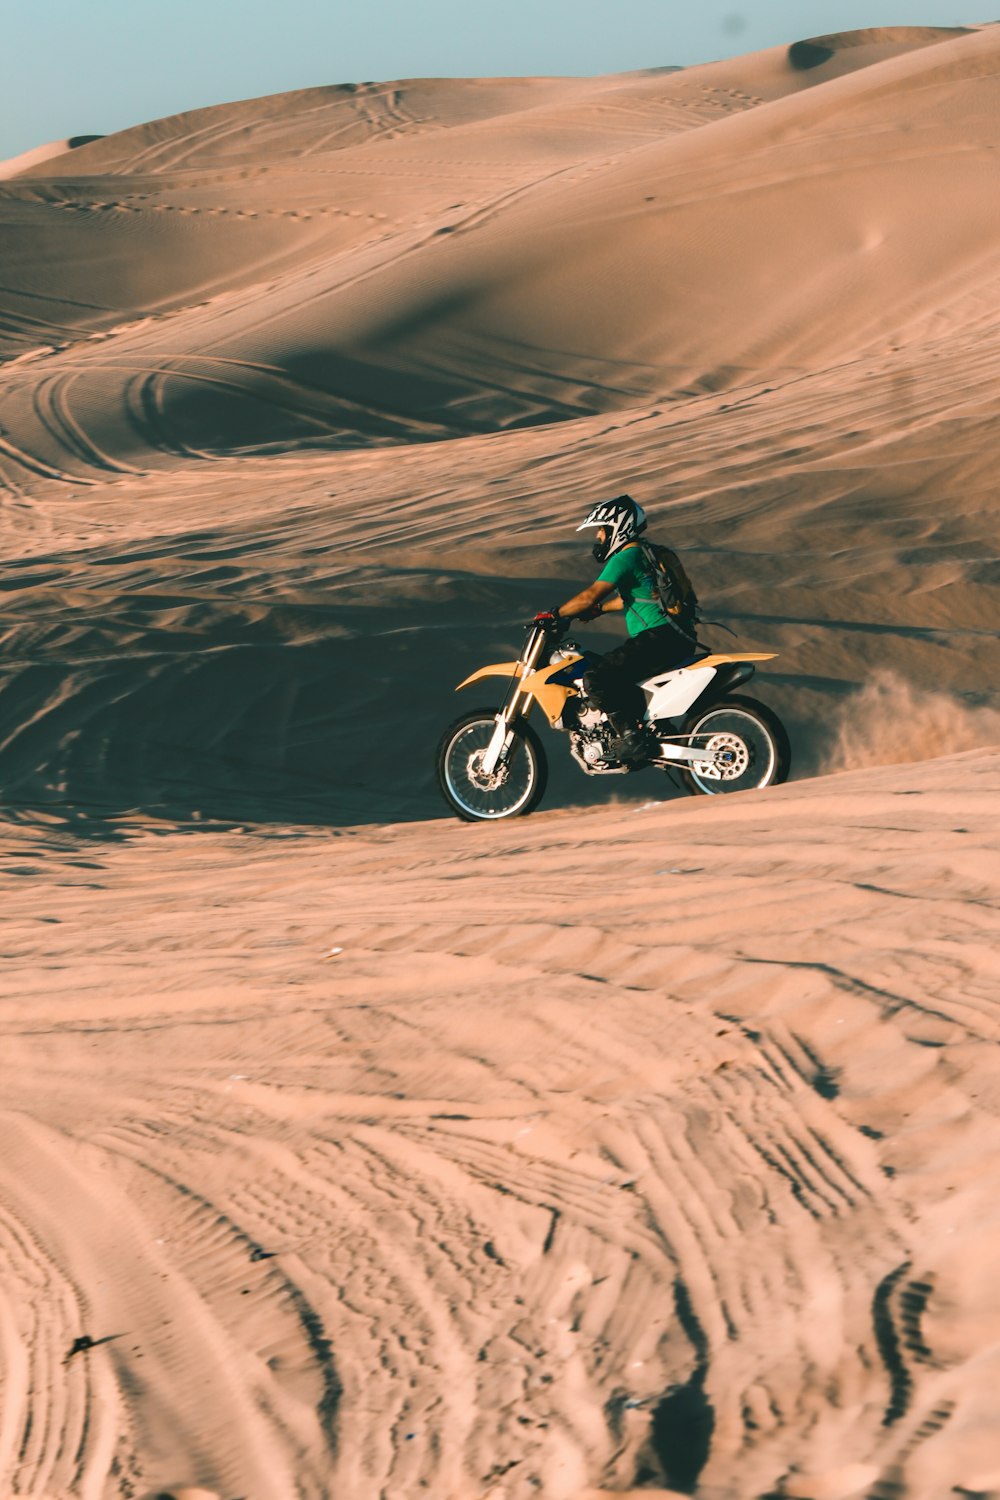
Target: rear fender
<point>676,693</point>
<point>726,678</point>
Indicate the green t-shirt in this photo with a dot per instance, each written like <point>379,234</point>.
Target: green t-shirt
<point>628,572</point>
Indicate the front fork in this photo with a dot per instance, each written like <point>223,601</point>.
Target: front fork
<point>503,737</point>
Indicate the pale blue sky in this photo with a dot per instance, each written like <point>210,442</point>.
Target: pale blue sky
<point>81,67</point>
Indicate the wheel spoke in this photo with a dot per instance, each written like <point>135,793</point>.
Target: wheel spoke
<point>477,795</point>
<point>739,751</point>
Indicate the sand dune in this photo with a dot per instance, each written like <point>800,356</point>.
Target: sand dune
<point>232,633</point>
<point>534,1186</point>
<point>44,156</point>
<point>642,1147</point>
<point>572,255</point>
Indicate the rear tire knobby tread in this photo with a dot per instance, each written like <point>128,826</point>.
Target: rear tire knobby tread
<point>771,722</point>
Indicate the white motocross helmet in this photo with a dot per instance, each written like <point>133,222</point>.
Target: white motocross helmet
<point>622,519</point>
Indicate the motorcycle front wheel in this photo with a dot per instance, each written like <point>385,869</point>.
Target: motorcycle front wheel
<point>512,791</point>
<point>745,745</point>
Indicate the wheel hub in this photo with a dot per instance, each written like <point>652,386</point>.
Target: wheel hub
<point>482,780</point>
<point>726,759</point>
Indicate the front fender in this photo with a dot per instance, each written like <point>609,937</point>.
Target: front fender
<point>498,669</point>
<point>549,696</point>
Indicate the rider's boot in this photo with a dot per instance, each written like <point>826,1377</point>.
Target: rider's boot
<point>636,745</point>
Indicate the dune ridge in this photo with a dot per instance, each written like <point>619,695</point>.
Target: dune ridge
<point>644,1147</point>
<point>486,240</point>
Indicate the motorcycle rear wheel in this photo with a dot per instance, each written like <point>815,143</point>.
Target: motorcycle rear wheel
<point>478,799</point>
<point>750,746</point>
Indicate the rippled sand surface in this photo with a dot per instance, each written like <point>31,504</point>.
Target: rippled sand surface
<point>642,1147</point>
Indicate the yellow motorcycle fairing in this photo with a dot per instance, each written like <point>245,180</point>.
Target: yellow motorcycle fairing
<point>499,669</point>
<point>718,659</point>
<point>549,696</point>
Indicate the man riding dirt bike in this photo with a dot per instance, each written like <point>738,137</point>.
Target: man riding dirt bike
<point>682,716</point>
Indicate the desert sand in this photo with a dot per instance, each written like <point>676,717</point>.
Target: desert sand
<point>647,1146</point>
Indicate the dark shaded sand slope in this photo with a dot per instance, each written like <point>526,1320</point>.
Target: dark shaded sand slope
<point>646,1148</point>
<point>774,284</point>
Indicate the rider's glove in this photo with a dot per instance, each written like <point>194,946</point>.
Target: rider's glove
<point>591,613</point>
<point>551,620</point>
<point>552,623</point>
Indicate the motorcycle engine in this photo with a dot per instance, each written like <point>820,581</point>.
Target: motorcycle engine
<point>591,748</point>
<point>591,743</point>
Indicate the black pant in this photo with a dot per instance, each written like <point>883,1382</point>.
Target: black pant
<point>613,684</point>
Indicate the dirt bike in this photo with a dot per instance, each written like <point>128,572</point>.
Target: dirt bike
<point>491,763</point>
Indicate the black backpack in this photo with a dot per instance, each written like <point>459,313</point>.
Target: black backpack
<point>672,588</point>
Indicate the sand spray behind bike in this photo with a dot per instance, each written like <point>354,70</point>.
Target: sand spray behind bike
<point>891,721</point>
